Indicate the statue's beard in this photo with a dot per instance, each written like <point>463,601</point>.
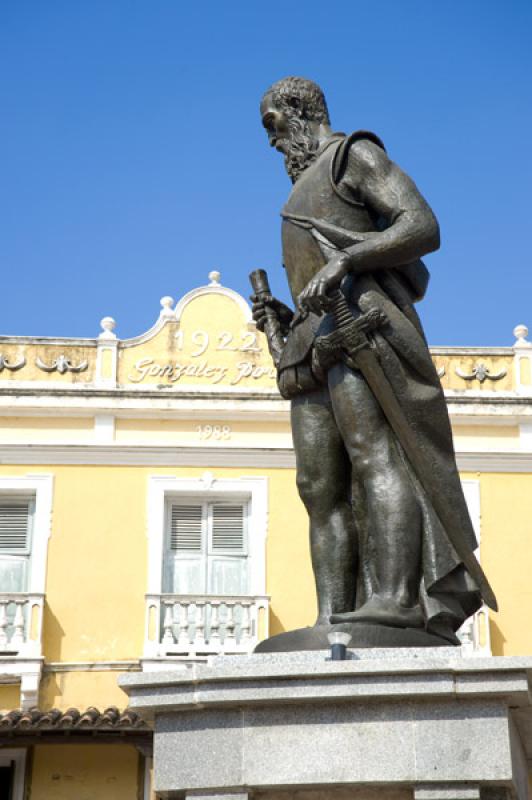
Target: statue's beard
<point>302,148</point>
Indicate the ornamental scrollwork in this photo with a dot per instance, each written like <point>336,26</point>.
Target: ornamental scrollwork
<point>480,372</point>
<point>5,364</point>
<point>61,364</point>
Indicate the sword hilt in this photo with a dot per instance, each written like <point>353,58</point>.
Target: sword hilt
<point>340,309</point>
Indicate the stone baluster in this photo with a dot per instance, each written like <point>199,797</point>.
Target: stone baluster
<point>184,638</point>
<point>466,636</point>
<point>200,624</point>
<point>214,633</point>
<point>229,640</point>
<point>168,633</point>
<point>17,640</point>
<point>3,624</point>
<point>245,624</point>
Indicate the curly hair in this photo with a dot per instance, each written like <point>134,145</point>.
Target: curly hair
<point>301,97</point>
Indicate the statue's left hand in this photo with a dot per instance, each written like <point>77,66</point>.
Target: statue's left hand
<point>314,296</point>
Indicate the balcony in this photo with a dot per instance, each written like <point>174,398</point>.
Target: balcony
<point>474,634</point>
<point>21,624</point>
<point>21,615</point>
<point>192,626</point>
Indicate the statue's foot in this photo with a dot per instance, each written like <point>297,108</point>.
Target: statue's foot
<point>383,612</point>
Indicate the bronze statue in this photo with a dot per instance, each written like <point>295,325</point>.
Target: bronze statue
<point>390,535</point>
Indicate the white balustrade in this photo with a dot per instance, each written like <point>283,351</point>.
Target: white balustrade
<point>474,634</point>
<point>21,624</point>
<point>190,625</point>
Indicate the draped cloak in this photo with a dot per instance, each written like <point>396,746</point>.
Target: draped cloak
<point>447,592</point>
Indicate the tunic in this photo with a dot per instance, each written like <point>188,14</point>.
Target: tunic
<point>446,590</point>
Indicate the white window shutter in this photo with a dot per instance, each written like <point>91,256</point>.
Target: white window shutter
<point>15,527</point>
<point>186,528</point>
<point>228,535</point>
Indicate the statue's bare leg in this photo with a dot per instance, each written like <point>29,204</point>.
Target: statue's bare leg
<point>392,551</point>
<point>323,481</point>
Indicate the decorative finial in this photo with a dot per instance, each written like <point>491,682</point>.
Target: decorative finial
<point>108,325</point>
<point>214,278</point>
<point>167,311</point>
<point>520,333</point>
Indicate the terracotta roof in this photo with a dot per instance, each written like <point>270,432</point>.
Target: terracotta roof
<point>73,720</point>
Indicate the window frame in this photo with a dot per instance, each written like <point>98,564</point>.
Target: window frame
<point>18,755</point>
<point>252,491</point>
<point>208,554</point>
<point>40,488</point>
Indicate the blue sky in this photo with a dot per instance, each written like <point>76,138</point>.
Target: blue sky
<point>133,159</point>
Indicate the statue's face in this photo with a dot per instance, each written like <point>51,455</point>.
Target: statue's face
<point>276,124</point>
<point>291,134</point>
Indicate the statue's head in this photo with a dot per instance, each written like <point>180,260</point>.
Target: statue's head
<point>293,112</point>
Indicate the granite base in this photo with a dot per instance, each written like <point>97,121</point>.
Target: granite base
<point>424,724</point>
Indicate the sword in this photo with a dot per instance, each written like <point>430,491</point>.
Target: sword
<point>351,337</point>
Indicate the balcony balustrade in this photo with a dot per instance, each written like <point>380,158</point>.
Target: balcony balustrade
<point>475,634</point>
<point>199,625</point>
<point>21,624</point>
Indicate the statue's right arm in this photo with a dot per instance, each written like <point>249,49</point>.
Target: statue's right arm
<point>411,228</point>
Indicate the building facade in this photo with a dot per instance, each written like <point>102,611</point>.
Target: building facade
<point>149,517</point>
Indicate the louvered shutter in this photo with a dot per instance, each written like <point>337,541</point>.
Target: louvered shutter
<point>228,529</point>
<point>186,529</point>
<point>184,569</point>
<point>227,562</point>
<point>15,543</point>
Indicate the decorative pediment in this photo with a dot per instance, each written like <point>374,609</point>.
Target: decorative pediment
<point>209,342</point>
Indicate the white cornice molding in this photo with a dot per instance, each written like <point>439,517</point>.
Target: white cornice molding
<point>248,404</point>
<point>129,455</point>
<point>132,665</point>
<point>470,351</point>
<point>494,462</point>
<point>60,341</point>
<point>210,457</point>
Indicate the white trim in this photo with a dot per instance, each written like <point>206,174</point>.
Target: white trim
<point>104,428</point>
<point>28,667</point>
<point>442,350</point>
<point>165,456</point>
<point>25,671</point>
<point>92,666</point>
<point>151,404</point>
<point>525,436</point>
<point>41,486</point>
<point>106,344</point>
<point>18,755</point>
<point>212,457</point>
<point>201,291</point>
<point>147,335</point>
<point>17,399</point>
<point>494,462</point>
<point>209,487</point>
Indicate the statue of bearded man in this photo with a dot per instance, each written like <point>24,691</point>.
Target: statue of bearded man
<point>381,555</point>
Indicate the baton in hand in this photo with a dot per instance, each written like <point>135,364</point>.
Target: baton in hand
<point>272,326</point>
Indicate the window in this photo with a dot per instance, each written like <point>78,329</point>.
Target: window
<point>206,550</point>
<point>206,565</point>
<point>16,530</point>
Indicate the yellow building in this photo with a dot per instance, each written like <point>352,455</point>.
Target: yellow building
<point>149,516</point>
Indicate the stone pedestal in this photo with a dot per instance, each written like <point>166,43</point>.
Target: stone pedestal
<point>384,724</point>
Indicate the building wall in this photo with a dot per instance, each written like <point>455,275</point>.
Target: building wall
<point>85,772</point>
